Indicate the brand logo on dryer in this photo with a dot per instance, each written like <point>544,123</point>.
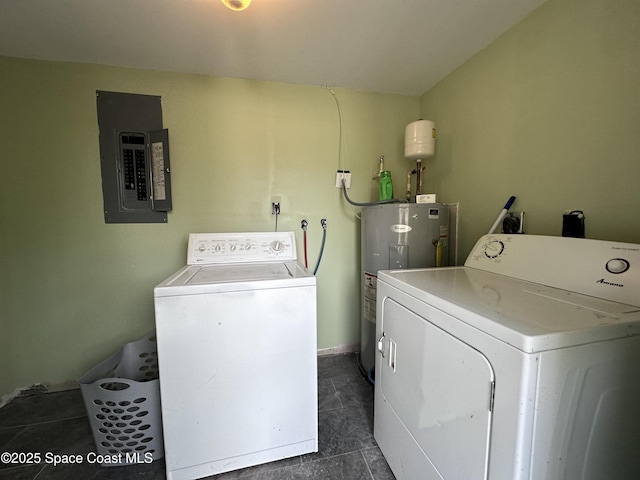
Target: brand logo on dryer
<point>604,282</point>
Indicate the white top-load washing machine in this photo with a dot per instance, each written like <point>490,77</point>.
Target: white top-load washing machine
<point>522,364</point>
<point>237,353</point>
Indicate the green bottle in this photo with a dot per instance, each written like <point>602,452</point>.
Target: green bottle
<point>386,185</point>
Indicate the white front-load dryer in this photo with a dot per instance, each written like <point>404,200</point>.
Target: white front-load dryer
<point>522,364</point>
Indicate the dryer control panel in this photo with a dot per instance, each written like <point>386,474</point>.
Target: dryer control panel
<point>220,248</point>
<point>602,269</point>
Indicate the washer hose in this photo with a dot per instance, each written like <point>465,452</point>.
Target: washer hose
<point>323,222</point>
<point>304,224</point>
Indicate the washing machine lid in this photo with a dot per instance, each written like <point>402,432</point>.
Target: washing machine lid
<point>529,316</point>
<point>197,279</point>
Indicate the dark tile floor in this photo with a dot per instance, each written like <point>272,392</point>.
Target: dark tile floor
<point>56,423</point>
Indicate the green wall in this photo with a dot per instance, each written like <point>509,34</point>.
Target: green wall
<point>550,112</point>
<point>75,289</point>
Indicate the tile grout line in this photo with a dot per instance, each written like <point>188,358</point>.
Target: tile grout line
<point>366,463</point>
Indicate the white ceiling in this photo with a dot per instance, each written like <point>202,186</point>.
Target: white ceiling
<point>390,46</point>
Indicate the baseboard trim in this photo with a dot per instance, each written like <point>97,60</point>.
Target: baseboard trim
<point>339,350</point>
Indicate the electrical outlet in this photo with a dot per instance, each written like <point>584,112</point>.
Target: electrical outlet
<point>513,222</point>
<point>276,205</point>
<point>343,175</point>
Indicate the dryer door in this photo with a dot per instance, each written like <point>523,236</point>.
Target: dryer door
<point>440,390</point>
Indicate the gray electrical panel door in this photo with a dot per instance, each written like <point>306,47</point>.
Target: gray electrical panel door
<point>134,158</point>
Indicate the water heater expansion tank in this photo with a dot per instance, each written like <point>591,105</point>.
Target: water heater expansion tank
<point>420,140</point>
<point>396,236</point>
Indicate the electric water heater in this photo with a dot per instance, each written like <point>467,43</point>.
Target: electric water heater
<point>396,236</point>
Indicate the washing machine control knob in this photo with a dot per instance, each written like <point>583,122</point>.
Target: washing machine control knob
<point>277,246</point>
<point>617,265</point>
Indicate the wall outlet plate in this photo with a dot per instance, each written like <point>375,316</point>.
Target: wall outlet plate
<point>513,222</point>
<point>343,175</point>
<point>276,205</point>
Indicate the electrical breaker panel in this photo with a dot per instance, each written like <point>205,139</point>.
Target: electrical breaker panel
<point>143,171</point>
<point>134,155</point>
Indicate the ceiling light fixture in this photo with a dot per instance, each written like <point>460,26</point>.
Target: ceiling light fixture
<point>236,5</point>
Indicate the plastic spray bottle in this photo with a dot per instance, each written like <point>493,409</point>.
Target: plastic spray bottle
<point>386,185</point>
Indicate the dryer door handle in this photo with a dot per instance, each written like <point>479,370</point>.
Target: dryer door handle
<point>381,345</point>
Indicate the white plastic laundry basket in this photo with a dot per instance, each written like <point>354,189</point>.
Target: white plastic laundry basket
<point>122,398</point>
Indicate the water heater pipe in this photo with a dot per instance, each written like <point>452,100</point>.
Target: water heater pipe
<point>409,173</point>
<point>381,169</point>
<point>419,144</point>
<point>418,177</point>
